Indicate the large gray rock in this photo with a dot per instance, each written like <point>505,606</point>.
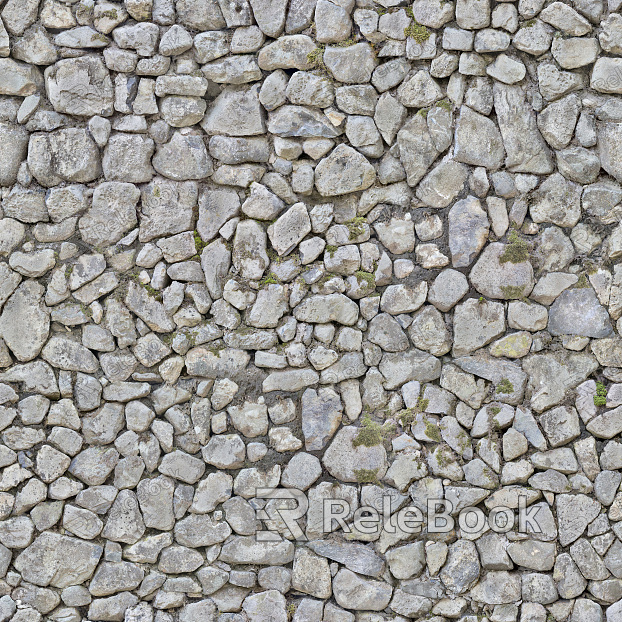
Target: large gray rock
<point>496,277</point>
<point>344,170</point>
<point>288,52</point>
<point>578,312</point>
<point>476,324</point>
<point>353,64</point>
<point>183,157</point>
<point>58,561</point>
<point>235,112</point>
<point>80,86</point>
<point>25,321</point>
<point>552,374</point>
<point>345,459</point>
<point>64,155</point>
<point>18,79</point>
<point>203,362</point>
<point>141,302</point>
<point>13,148</point>
<point>557,200</point>
<point>329,308</point>
<point>291,121</point>
<point>113,213</point>
<point>609,137</point>
<point>468,231</point>
<point>525,149</point>
<point>248,550</point>
<point>321,416</point>
<point>167,208</point>
<point>417,148</point>
<point>478,140</point>
<point>359,594</point>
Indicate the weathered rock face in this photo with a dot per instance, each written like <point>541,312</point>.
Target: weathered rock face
<point>274,275</point>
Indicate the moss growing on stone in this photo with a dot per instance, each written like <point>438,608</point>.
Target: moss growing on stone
<point>365,278</point>
<point>582,283</point>
<point>600,399</point>
<point>445,104</point>
<point>417,32</point>
<point>331,249</point>
<point>371,433</point>
<point>505,386</point>
<point>269,279</point>
<point>316,58</point>
<point>407,416</point>
<point>432,431</point>
<point>512,292</point>
<point>366,476</point>
<point>199,244</point>
<point>494,410</point>
<point>516,250</point>
<point>356,226</point>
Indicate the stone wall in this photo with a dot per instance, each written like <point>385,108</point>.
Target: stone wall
<point>359,251</point>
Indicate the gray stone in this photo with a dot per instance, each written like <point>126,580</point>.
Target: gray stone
<point>578,312</point>
<point>235,112</point>
<point>524,146</point>
<point>352,65</point>
<point>59,561</point>
<point>468,231</point>
<point>478,140</point>
<point>354,592</point>
<point>495,278</point>
<point>25,322</point>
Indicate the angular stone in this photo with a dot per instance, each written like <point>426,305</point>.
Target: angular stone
<point>417,148</point>
<point>80,86</point>
<point>356,557</point>
<point>58,561</point>
<point>354,592</point>
<point>353,64</point>
<point>148,309</point>
<point>290,229</point>
<point>287,52</point>
<point>401,367</point>
<point>478,140</point>
<point>321,416</point>
<point>12,151</point>
<point>74,157</point>
<point>228,362</point>
<point>343,459</point>
<point>495,278</point>
<point>344,170</point>
<point>183,157</point>
<point>25,321</point>
<point>112,214</point>
<point>574,513</point>
<point>442,184</point>
<point>551,375</point>
<point>578,312</point>
<point>468,231</point>
<point>525,149</point>
<point>18,79</point>
<point>609,150</point>
<point>248,550</point>
<point>235,112</point>
<point>556,200</point>
<point>329,308</point>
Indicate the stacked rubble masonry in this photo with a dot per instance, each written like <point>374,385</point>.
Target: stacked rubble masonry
<point>271,256</point>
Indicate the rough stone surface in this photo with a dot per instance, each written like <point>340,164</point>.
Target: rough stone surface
<point>265,260</point>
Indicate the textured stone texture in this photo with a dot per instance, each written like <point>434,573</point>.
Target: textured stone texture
<point>258,255</point>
